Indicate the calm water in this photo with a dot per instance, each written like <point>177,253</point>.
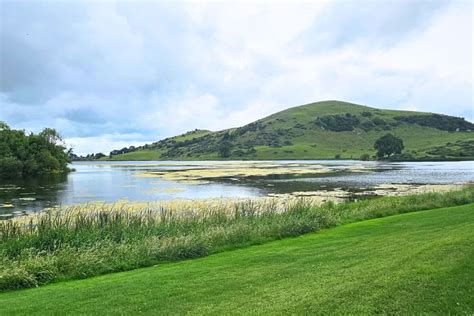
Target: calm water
<point>111,181</point>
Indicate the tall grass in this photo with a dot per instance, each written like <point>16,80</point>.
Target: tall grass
<point>78,243</point>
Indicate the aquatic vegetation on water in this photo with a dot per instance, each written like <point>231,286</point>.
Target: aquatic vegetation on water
<point>239,170</point>
<point>27,199</point>
<point>9,187</point>
<point>177,207</point>
<point>165,190</point>
<point>339,195</point>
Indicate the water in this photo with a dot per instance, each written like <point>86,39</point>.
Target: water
<point>112,181</point>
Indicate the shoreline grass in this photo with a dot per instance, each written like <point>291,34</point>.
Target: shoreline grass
<point>56,246</point>
<point>409,264</point>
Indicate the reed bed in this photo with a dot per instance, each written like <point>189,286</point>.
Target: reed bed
<point>92,239</point>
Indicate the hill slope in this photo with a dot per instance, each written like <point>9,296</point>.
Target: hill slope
<point>416,263</point>
<point>322,130</point>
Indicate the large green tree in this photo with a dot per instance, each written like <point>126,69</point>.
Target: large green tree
<point>225,146</point>
<point>32,154</point>
<point>388,145</point>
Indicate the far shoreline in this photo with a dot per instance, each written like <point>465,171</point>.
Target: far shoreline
<point>294,159</point>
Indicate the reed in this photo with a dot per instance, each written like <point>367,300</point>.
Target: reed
<point>93,239</point>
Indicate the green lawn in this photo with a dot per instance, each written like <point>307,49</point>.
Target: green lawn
<point>413,263</point>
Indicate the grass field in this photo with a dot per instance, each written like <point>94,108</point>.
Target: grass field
<point>413,263</point>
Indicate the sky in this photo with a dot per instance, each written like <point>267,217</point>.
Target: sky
<point>111,74</point>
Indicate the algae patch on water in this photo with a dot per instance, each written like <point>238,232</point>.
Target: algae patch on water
<point>239,170</point>
<point>27,199</point>
<point>407,189</point>
<point>164,190</point>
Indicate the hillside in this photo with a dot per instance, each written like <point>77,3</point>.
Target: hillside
<point>416,263</point>
<point>322,130</point>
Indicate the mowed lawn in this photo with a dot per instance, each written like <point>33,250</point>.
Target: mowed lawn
<point>419,262</point>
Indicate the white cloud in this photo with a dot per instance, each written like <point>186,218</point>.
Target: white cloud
<point>103,143</point>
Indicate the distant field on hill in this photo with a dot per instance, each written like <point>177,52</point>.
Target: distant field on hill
<point>322,130</point>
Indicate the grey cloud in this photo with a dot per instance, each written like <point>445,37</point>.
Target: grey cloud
<point>381,23</point>
<point>48,48</point>
<point>84,115</point>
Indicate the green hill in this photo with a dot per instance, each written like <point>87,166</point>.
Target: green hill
<point>322,130</point>
<point>416,263</point>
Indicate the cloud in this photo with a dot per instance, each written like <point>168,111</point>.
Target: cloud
<point>105,142</point>
<point>381,24</point>
<point>111,74</point>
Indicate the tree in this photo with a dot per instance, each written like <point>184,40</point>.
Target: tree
<point>3,125</point>
<point>99,155</point>
<point>224,149</point>
<point>51,136</point>
<point>225,146</point>
<point>10,167</point>
<point>29,155</point>
<point>388,145</point>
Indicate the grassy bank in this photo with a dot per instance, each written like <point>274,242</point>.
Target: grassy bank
<point>417,263</point>
<point>72,245</point>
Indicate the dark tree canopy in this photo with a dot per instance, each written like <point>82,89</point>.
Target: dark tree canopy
<point>388,145</point>
<point>338,123</point>
<point>441,122</point>
<point>225,146</point>
<point>33,154</point>
<point>88,157</point>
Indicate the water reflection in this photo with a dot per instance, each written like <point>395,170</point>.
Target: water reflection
<point>32,194</point>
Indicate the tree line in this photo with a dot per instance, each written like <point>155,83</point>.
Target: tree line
<point>23,154</point>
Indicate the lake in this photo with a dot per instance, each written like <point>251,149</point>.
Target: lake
<point>164,180</point>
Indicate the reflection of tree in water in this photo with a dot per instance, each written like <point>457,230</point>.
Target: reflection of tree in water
<point>31,194</point>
